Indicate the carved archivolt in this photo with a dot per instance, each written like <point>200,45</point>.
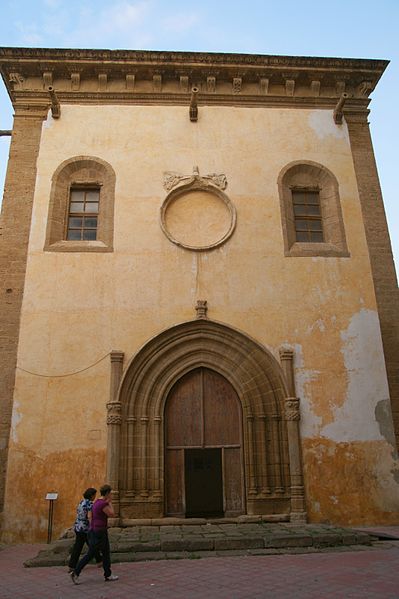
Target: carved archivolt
<point>253,372</point>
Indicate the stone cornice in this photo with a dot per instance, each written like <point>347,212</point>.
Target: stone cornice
<point>147,77</point>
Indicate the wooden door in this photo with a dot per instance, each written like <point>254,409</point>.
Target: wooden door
<point>203,412</point>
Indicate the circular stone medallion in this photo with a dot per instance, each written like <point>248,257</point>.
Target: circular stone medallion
<point>197,219</point>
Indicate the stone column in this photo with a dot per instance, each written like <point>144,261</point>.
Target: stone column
<point>157,493</point>
<point>277,453</point>
<point>114,421</point>
<point>131,421</point>
<point>292,417</point>
<point>379,248</point>
<point>143,468</point>
<point>263,456</point>
<point>252,477</point>
<point>16,218</point>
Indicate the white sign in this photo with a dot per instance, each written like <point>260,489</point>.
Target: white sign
<point>52,496</point>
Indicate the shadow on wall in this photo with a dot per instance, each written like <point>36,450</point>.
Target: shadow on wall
<point>4,151</point>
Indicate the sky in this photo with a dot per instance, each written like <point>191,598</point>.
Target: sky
<point>341,28</point>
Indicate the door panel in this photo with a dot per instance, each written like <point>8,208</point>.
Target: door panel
<point>184,412</point>
<point>203,451</point>
<point>174,465</point>
<point>233,487</point>
<point>221,411</point>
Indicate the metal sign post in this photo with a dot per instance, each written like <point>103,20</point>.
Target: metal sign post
<point>51,497</point>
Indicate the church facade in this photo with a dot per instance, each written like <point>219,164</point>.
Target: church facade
<point>199,302</point>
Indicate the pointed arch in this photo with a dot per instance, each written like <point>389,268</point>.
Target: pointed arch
<point>257,378</point>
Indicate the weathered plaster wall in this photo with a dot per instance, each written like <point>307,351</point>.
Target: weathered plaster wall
<point>77,307</point>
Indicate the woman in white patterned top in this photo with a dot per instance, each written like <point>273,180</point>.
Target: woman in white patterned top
<point>81,528</point>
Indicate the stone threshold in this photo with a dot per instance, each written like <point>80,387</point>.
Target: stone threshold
<point>174,521</point>
<point>196,540</point>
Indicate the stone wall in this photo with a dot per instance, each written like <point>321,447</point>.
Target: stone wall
<point>15,229</point>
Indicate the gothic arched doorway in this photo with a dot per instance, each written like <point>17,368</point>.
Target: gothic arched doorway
<point>203,447</point>
<point>270,448</point>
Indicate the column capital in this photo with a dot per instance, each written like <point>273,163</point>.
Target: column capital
<point>358,117</point>
<point>114,412</point>
<point>286,353</point>
<point>27,111</point>
<point>292,408</point>
<point>116,355</point>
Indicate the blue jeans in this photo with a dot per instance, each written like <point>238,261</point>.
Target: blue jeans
<point>98,542</point>
<point>80,540</point>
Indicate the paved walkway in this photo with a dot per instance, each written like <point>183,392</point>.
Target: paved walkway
<point>367,573</point>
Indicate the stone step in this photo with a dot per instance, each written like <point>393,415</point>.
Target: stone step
<point>174,541</point>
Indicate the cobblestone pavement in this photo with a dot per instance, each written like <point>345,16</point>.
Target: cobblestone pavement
<point>367,573</point>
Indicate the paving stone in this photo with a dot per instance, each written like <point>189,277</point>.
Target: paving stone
<point>145,556</point>
<point>135,546</point>
<point>236,543</point>
<point>349,538</point>
<point>201,554</point>
<point>326,540</point>
<point>361,572</point>
<point>249,519</point>
<point>288,541</point>
<point>199,544</point>
<point>173,545</point>
<point>236,552</point>
<point>44,561</point>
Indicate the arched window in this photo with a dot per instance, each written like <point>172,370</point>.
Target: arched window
<point>311,211</point>
<point>81,209</point>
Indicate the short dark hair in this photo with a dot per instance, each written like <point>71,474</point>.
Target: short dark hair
<point>105,489</point>
<point>89,493</point>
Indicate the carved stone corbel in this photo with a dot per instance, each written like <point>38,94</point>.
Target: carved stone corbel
<point>339,109</point>
<point>16,79</point>
<point>202,308</point>
<point>264,86</point>
<point>194,105</point>
<point>102,82</point>
<point>289,87</point>
<point>47,79</point>
<point>55,104</point>
<point>130,81</point>
<point>157,83</point>
<point>211,85</point>
<point>75,81</point>
<point>237,84</point>
<point>184,84</point>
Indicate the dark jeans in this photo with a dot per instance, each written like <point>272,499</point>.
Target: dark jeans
<point>98,542</point>
<point>80,540</point>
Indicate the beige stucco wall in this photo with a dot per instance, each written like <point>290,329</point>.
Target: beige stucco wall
<point>78,307</point>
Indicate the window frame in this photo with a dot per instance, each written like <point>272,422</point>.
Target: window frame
<point>81,172</point>
<point>307,216</point>
<point>307,175</point>
<point>82,214</point>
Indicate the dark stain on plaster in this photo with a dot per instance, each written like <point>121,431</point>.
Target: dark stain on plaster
<point>383,416</point>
